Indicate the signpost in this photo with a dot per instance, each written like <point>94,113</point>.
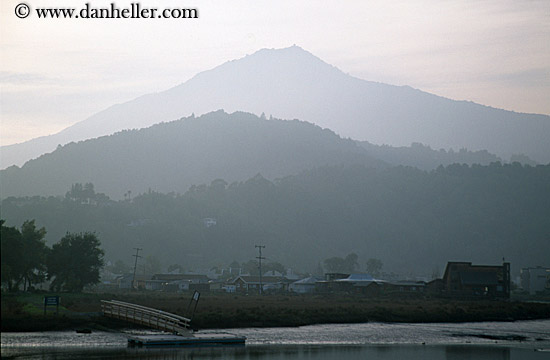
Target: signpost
<point>51,301</point>
<point>195,298</point>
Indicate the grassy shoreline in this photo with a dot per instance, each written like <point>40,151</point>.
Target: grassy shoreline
<point>24,312</point>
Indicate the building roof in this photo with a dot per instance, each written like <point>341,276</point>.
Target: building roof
<point>249,279</point>
<point>307,281</point>
<point>358,278</point>
<point>172,277</point>
<point>130,277</point>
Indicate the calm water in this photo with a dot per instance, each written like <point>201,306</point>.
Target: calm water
<point>509,340</point>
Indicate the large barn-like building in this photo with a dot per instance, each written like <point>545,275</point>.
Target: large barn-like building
<point>462,279</point>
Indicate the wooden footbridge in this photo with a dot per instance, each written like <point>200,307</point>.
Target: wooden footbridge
<point>156,319</point>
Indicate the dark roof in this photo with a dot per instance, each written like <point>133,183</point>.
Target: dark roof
<point>138,277</point>
<point>462,266</point>
<point>478,278</point>
<point>256,279</point>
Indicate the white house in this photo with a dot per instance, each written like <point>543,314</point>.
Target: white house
<point>535,280</point>
<point>303,286</point>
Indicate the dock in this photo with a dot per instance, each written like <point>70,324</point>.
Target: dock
<point>153,318</point>
<point>177,328</point>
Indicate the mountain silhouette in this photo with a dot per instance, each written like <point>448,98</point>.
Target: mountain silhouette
<point>170,157</point>
<point>292,83</point>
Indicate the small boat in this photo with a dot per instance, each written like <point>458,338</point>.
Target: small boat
<point>191,339</point>
<point>83,331</point>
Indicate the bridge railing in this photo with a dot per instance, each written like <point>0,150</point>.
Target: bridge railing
<point>156,319</point>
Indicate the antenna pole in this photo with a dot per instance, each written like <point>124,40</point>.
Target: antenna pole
<point>135,266</point>
<point>260,247</point>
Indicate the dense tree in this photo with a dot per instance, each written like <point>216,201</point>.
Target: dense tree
<point>274,266</point>
<point>176,268</point>
<point>85,194</point>
<point>75,262</point>
<point>342,265</point>
<point>35,251</point>
<point>251,267</point>
<point>152,265</point>
<point>12,253</point>
<point>412,220</point>
<point>374,266</point>
<point>120,267</point>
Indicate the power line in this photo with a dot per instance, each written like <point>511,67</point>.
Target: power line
<point>260,247</point>
<point>135,266</point>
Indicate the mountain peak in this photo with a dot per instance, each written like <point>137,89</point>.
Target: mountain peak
<point>292,83</point>
<point>292,60</point>
<point>293,50</point>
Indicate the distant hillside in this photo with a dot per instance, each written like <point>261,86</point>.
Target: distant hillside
<point>173,156</point>
<point>292,83</point>
<point>425,158</point>
<point>412,220</point>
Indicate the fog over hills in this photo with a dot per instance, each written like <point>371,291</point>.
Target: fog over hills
<point>413,220</point>
<point>292,83</point>
<point>173,156</point>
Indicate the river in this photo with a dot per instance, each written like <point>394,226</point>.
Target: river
<point>488,340</point>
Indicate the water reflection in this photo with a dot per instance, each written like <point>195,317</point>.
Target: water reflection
<point>489,340</point>
<point>292,352</point>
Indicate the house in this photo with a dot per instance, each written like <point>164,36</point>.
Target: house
<point>335,276</point>
<point>155,285</point>
<point>464,280</point>
<point>291,275</point>
<point>535,280</point>
<point>229,288</point>
<point>350,283</point>
<point>178,282</point>
<point>191,278</point>
<point>404,287</point>
<point>272,273</point>
<point>248,283</point>
<point>125,281</point>
<point>303,286</point>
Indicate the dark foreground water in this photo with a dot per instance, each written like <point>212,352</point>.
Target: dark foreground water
<point>504,340</point>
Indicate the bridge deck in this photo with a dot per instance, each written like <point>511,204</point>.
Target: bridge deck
<point>156,319</point>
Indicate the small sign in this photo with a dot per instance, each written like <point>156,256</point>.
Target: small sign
<point>51,300</point>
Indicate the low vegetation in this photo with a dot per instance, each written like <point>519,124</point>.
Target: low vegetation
<point>25,312</point>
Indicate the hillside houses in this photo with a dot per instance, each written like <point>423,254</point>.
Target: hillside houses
<point>178,282</point>
<point>461,280</point>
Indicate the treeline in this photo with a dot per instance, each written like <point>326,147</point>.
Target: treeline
<point>173,156</point>
<point>412,220</point>
<point>70,264</point>
<point>424,157</point>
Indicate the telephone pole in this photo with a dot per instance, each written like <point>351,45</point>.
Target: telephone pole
<point>260,247</point>
<point>135,266</point>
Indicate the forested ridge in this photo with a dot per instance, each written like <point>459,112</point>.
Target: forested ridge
<point>413,220</point>
<point>173,156</point>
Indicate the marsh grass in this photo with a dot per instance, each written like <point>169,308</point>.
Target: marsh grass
<point>25,312</point>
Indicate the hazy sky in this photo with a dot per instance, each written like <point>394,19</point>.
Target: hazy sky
<point>55,73</point>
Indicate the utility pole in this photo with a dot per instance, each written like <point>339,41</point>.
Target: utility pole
<point>260,247</point>
<point>135,266</point>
